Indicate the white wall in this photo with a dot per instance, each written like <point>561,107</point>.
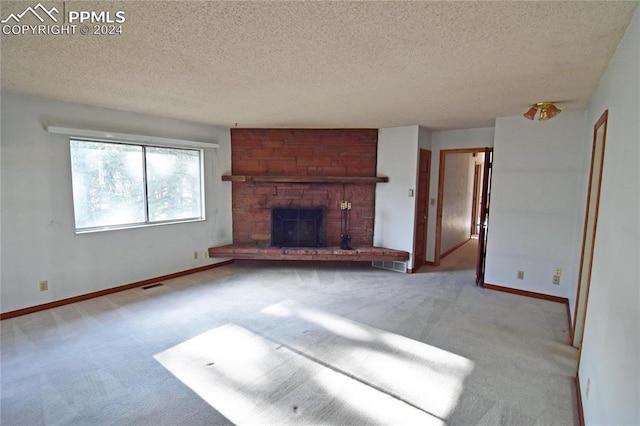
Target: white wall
<point>38,240</point>
<point>457,194</point>
<point>537,202</point>
<point>450,139</point>
<point>424,138</point>
<point>611,346</point>
<point>395,210</point>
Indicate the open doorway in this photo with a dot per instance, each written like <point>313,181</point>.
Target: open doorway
<point>463,188</point>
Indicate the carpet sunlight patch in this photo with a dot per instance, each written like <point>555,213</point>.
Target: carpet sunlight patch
<point>309,366</point>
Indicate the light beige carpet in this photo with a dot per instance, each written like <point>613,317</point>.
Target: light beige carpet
<point>342,343</point>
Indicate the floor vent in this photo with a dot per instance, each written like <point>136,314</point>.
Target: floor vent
<point>392,265</point>
<point>147,287</point>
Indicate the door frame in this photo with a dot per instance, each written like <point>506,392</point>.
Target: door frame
<point>422,188</point>
<point>590,229</point>
<point>487,174</point>
<point>440,203</point>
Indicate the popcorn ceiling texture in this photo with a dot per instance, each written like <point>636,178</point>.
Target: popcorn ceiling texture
<point>442,65</point>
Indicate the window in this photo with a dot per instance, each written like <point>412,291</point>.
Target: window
<point>123,185</point>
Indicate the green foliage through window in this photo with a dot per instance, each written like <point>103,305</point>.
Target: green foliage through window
<point>118,185</point>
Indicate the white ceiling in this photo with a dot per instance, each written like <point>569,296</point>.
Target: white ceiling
<point>443,65</point>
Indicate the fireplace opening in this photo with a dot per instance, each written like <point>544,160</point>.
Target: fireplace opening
<point>298,227</point>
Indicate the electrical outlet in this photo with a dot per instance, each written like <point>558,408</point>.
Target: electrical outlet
<point>558,271</point>
<point>195,254</point>
<point>205,254</point>
<point>556,279</point>
<point>521,275</point>
<point>44,285</point>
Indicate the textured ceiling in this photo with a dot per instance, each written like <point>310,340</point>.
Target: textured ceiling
<point>443,65</point>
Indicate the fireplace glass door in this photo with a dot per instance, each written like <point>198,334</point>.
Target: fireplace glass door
<point>297,227</point>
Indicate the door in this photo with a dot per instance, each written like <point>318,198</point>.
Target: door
<point>475,202</point>
<point>590,223</point>
<point>420,238</point>
<point>484,215</point>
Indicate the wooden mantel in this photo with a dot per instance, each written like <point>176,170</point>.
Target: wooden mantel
<point>304,179</point>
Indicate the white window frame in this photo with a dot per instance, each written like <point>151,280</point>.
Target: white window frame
<point>147,222</point>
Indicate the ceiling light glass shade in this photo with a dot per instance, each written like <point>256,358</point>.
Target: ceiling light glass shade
<point>544,114</point>
<point>531,114</point>
<point>552,111</point>
<point>547,110</point>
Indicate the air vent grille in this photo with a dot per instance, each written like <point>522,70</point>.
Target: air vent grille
<point>392,265</point>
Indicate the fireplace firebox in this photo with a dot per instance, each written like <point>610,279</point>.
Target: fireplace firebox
<point>298,227</point>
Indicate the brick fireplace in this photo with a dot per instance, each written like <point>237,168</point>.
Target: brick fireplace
<point>296,153</point>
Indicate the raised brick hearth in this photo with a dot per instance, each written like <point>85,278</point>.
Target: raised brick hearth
<point>367,254</point>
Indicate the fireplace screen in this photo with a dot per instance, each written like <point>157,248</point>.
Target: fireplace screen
<point>297,227</point>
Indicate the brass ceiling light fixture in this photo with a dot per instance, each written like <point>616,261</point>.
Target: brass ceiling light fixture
<point>547,110</point>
